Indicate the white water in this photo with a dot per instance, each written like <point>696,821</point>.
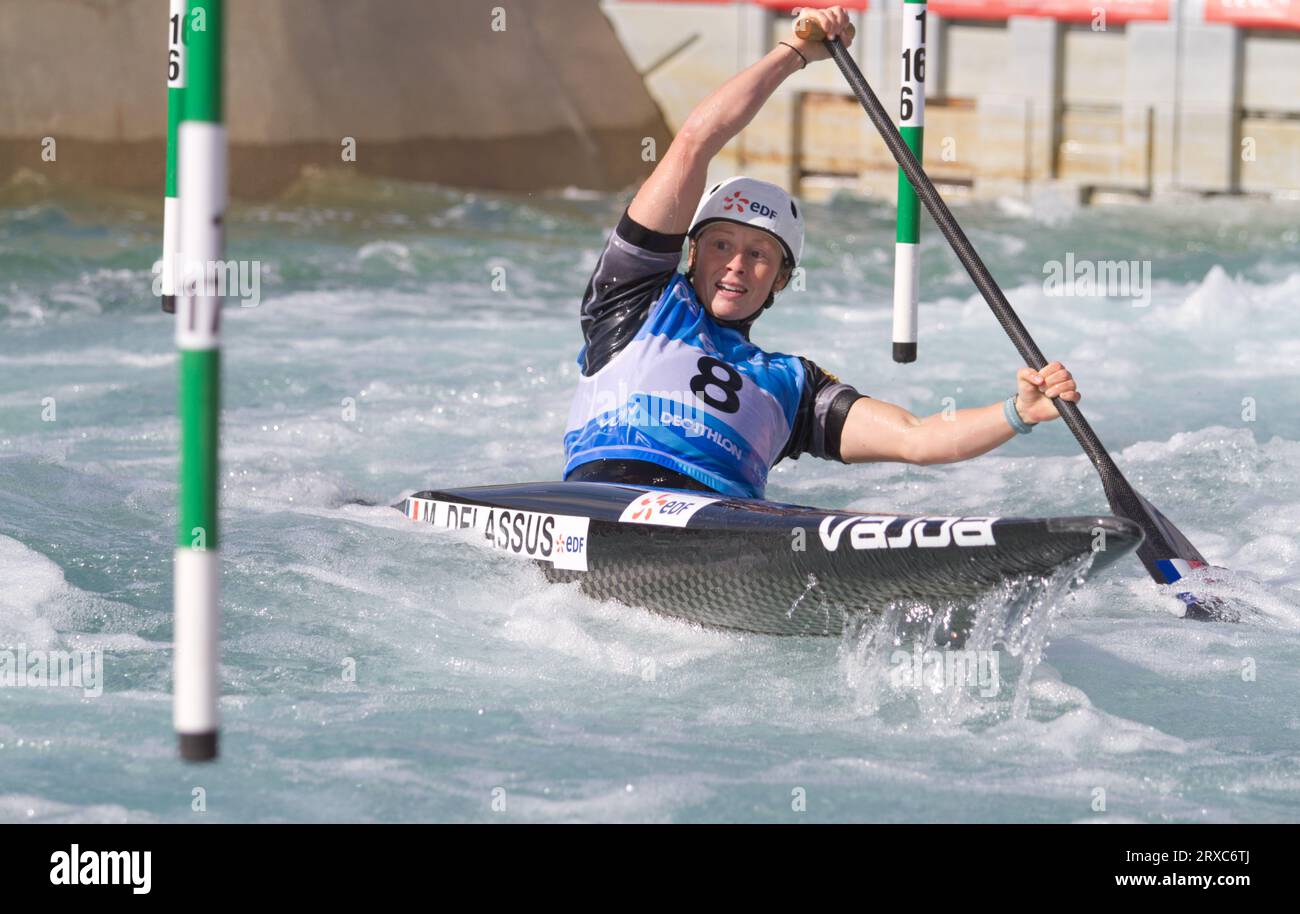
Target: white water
<point>473,675</point>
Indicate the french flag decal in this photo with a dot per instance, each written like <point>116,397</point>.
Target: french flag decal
<point>1173,569</point>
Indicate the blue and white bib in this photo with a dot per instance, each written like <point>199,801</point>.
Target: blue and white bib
<point>691,395</point>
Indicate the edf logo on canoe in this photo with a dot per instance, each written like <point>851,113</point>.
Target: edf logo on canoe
<point>570,545</point>
<point>668,509</point>
<point>662,506</point>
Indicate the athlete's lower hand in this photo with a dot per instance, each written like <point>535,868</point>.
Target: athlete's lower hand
<point>1037,388</point>
<point>834,22</point>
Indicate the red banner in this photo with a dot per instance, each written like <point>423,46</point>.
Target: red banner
<point>1117,11</point>
<point>788,5</point>
<point>1266,14</point>
<point>785,5</point>
<point>1260,14</point>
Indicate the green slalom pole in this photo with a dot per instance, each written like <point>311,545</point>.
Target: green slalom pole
<point>175,103</point>
<point>202,145</point>
<point>911,124</point>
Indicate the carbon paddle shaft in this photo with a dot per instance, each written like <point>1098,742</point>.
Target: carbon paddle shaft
<point>1163,540</point>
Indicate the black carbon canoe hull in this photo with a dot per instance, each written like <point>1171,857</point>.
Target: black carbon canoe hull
<point>761,566</point>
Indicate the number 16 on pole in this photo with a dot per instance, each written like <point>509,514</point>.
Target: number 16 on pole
<point>175,111</point>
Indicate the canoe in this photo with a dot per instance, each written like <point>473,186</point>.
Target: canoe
<point>761,566</point>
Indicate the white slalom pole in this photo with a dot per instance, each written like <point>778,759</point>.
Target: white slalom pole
<point>911,125</point>
<point>202,140</point>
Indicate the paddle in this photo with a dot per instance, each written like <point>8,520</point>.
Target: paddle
<point>1165,552</point>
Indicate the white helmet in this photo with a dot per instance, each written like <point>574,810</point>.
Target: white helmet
<point>759,204</point>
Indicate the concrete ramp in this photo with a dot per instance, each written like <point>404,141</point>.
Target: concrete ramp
<point>429,89</point>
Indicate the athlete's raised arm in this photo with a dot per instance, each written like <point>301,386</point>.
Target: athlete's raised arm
<point>667,200</point>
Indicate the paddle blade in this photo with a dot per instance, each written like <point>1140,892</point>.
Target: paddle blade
<point>1176,555</point>
<point>1169,556</point>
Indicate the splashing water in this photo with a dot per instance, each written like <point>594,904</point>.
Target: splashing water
<point>951,663</point>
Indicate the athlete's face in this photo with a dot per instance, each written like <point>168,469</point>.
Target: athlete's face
<point>736,268</point>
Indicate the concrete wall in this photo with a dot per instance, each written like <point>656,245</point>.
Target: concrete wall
<point>428,89</point>
<point>570,90</point>
<point>1270,92</point>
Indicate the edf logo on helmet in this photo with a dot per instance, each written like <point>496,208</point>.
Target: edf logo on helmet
<point>739,203</point>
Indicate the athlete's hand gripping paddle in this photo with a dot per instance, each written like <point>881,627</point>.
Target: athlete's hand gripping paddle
<point>1165,553</point>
